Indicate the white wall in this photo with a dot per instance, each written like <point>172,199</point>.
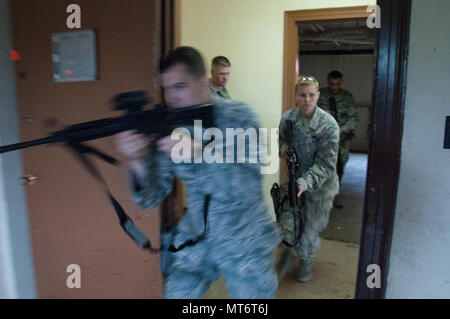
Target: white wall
<point>251,34</point>
<point>420,253</point>
<point>16,264</point>
<point>358,74</point>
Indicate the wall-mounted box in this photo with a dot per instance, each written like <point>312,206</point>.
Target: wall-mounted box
<point>74,56</point>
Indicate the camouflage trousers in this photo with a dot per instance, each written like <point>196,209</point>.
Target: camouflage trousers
<point>250,276</point>
<point>344,153</point>
<point>316,213</point>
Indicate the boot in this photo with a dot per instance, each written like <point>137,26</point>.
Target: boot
<point>304,273</point>
<point>285,264</point>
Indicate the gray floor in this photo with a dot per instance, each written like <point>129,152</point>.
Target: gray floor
<point>333,276</point>
<point>345,224</point>
<point>335,265</point>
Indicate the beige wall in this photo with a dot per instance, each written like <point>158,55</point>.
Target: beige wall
<point>250,34</point>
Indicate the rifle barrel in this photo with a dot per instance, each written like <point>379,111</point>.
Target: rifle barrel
<point>18,146</point>
<point>146,122</point>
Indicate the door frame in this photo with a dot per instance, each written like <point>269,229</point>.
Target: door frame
<point>173,207</point>
<point>291,47</point>
<point>385,129</point>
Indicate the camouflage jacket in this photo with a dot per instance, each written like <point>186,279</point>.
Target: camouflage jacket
<point>219,91</point>
<point>345,105</point>
<point>238,219</point>
<point>316,142</point>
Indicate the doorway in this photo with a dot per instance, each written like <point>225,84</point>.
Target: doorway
<point>384,130</point>
<point>346,48</point>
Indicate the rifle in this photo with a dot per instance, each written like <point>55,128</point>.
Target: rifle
<point>295,202</point>
<point>293,165</point>
<point>158,122</point>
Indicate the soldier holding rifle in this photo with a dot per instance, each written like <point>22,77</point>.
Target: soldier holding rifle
<point>316,142</point>
<point>226,230</point>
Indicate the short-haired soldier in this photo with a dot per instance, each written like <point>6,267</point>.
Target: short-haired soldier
<point>220,74</point>
<point>345,114</point>
<point>227,219</point>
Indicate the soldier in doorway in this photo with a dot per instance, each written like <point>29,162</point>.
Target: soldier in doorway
<point>340,103</point>
<point>316,142</point>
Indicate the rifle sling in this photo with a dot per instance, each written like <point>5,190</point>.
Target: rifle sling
<point>125,221</point>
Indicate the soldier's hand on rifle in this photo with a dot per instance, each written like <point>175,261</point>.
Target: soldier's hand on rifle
<point>166,144</point>
<point>300,190</point>
<point>132,145</point>
<point>295,157</point>
<point>185,143</point>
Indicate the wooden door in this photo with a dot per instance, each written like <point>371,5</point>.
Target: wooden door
<point>71,220</point>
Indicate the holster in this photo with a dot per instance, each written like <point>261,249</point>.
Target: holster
<point>290,220</point>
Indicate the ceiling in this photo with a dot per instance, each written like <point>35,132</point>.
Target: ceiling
<point>347,35</point>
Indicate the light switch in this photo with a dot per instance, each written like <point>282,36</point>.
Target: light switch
<point>447,133</point>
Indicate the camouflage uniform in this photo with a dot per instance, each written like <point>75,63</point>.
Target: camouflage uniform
<point>219,91</point>
<point>347,118</point>
<point>316,143</point>
<point>240,234</point>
